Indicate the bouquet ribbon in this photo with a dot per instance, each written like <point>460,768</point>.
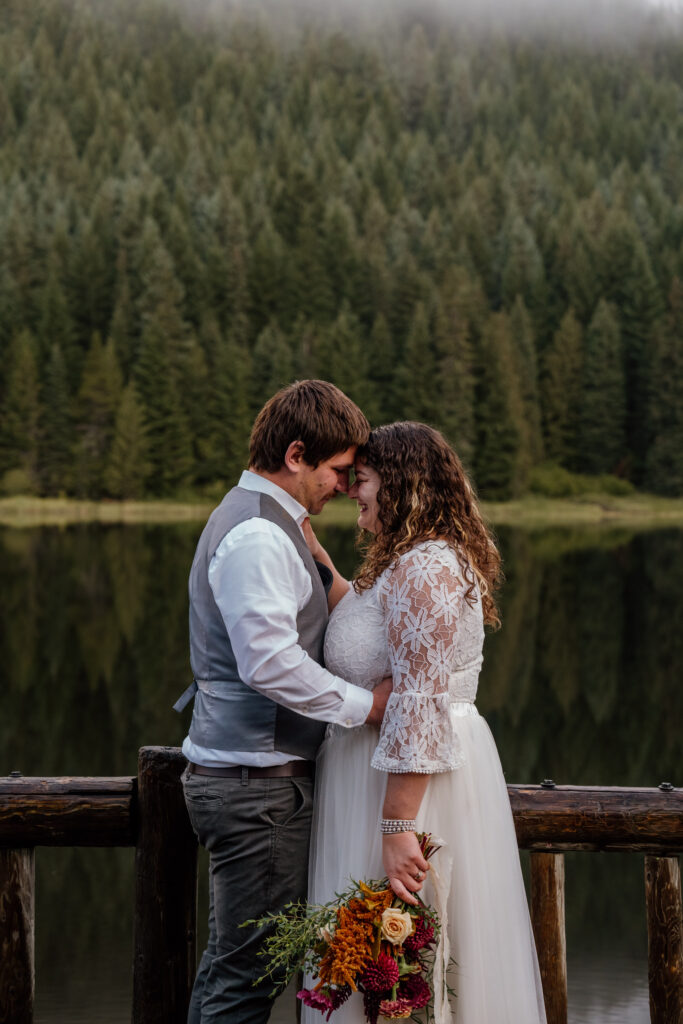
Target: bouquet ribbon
<point>441,882</point>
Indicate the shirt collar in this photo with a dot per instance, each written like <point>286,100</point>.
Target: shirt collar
<point>253,482</point>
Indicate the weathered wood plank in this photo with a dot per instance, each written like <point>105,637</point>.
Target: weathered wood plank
<point>67,812</point>
<point>547,918</point>
<point>100,812</point>
<point>608,819</point>
<point>66,784</point>
<point>664,939</point>
<point>17,935</point>
<point>165,892</point>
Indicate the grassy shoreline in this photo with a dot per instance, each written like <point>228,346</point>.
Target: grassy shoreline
<point>529,512</point>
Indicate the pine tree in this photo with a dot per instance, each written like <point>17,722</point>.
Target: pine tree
<point>162,300</point>
<point>381,404</point>
<point>56,437</point>
<point>531,451</point>
<point>664,462</point>
<point>56,326</point>
<point>341,356</point>
<point>231,413</point>
<point>523,273</point>
<point>602,409</point>
<point>127,467</point>
<point>98,399</point>
<point>561,391</point>
<point>168,436</point>
<point>19,417</point>
<point>499,413</point>
<point>415,380</point>
<point>629,283</point>
<point>272,365</point>
<point>456,375</point>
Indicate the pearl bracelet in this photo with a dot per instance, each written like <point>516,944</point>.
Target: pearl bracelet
<point>389,826</point>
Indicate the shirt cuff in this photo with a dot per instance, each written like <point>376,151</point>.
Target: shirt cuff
<point>355,707</point>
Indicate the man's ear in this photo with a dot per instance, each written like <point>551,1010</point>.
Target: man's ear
<point>294,456</point>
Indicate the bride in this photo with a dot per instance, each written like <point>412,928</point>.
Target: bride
<point>417,609</point>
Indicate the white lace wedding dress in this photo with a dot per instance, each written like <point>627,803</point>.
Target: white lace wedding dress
<point>416,625</point>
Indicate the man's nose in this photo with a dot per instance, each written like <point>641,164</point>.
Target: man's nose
<point>342,483</point>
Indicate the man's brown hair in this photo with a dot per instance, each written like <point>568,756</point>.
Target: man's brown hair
<point>314,412</point>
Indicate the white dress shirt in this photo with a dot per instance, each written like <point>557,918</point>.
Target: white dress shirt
<point>260,585</point>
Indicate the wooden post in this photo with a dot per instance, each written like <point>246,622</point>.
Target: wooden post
<point>165,892</point>
<point>17,935</point>
<point>664,939</point>
<point>547,918</point>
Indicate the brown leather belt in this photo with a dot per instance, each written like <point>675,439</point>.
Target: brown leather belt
<point>290,770</point>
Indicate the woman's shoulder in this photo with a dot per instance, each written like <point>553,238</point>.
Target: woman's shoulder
<point>425,557</point>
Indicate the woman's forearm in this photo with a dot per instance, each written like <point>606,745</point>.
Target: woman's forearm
<point>404,794</point>
<point>403,860</point>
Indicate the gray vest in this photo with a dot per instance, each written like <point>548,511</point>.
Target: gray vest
<point>228,714</point>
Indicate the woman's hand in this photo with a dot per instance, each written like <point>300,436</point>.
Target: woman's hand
<point>314,545</point>
<point>404,864</point>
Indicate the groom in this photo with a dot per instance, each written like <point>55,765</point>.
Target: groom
<point>258,613</point>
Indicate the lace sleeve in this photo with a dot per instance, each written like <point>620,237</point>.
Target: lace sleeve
<point>422,597</point>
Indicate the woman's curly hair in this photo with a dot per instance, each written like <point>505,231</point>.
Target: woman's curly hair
<point>424,494</point>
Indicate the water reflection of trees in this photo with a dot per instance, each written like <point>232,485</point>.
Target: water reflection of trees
<point>579,684</point>
<point>93,646</point>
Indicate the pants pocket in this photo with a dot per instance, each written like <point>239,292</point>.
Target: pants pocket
<point>286,804</point>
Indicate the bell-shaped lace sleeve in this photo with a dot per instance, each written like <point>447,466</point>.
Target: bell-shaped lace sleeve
<point>422,597</point>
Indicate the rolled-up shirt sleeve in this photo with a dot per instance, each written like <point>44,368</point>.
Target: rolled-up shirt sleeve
<point>260,584</point>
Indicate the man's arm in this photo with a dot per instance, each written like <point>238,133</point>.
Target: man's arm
<point>260,584</point>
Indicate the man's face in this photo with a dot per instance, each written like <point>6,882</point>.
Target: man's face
<point>317,485</point>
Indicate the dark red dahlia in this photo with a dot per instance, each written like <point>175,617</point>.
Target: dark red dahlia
<point>416,989</point>
<point>381,975</point>
<point>421,937</point>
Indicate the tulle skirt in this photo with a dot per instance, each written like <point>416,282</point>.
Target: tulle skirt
<point>495,978</point>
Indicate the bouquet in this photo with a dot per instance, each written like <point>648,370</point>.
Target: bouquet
<point>368,941</point>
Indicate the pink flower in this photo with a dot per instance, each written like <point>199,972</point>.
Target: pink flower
<point>326,1000</point>
<point>317,999</point>
<point>396,1009</point>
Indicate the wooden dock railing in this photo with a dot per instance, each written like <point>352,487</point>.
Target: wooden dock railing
<point>148,812</point>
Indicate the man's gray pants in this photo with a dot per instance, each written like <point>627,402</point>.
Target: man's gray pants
<point>257,834</point>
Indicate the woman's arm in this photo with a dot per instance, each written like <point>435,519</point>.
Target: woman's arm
<point>339,584</point>
<point>421,597</point>
<point>403,862</point>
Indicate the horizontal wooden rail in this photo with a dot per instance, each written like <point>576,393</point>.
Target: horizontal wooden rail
<point>68,812</point>
<point>148,812</point>
<point>103,812</point>
<point>608,819</point>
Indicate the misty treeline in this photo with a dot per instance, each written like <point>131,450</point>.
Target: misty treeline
<point>461,227</point>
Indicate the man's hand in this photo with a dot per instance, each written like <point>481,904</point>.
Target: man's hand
<point>404,864</point>
<point>380,696</point>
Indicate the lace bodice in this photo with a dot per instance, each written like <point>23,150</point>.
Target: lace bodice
<point>416,621</point>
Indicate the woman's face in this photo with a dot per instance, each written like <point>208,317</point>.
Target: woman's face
<point>364,490</point>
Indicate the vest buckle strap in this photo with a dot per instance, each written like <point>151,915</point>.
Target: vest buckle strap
<point>186,696</point>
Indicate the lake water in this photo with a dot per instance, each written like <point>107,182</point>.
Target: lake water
<point>582,685</point>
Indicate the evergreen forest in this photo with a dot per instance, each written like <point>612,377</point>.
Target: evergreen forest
<point>477,227</point>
